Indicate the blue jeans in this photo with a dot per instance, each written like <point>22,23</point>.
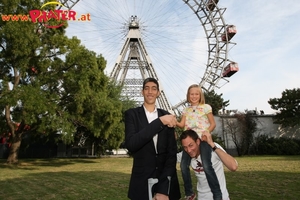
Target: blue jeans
<point>185,172</point>
<point>213,182</point>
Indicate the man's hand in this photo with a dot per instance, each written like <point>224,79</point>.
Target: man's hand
<point>206,136</point>
<point>159,196</point>
<point>169,120</point>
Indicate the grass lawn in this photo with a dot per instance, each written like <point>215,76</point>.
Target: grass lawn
<point>261,177</point>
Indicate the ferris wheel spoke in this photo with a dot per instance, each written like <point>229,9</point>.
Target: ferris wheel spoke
<point>183,41</point>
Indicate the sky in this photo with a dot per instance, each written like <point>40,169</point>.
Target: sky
<point>267,45</point>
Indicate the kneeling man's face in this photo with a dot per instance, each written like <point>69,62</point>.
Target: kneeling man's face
<point>191,147</point>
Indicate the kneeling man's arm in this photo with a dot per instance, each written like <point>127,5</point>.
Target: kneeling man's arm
<point>227,159</point>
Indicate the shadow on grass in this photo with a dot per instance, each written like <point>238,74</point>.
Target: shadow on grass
<point>271,157</point>
<point>261,178</point>
<point>52,162</point>
<point>109,185</point>
<point>66,185</point>
<point>285,158</point>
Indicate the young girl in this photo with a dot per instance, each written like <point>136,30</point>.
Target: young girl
<point>198,117</point>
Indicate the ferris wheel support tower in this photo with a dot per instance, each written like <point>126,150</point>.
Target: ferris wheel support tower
<point>134,57</point>
<point>134,65</point>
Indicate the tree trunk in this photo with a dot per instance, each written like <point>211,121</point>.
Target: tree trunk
<point>14,150</point>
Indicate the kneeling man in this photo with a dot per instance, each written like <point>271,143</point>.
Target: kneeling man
<point>191,144</point>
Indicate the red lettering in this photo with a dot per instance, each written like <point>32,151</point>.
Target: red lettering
<point>64,15</point>
<point>89,16</point>
<point>34,15</point>
<point>24,18</point>
<point>52,15</point>
<point>58,13</point>
<point>5,17</point>
<point>43,17</point>
<point>14,17</point>
<point>72,15</point>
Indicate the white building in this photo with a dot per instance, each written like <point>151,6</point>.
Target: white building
<point>265,126</point>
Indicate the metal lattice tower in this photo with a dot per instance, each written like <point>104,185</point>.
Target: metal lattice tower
<point>68,3</point>
<point>133,66</point>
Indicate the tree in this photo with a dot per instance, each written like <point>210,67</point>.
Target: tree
<point>216,101</point>
<point>248,128</point>
<point>242,128</point>
<point>117,134</point>
<point>50,82</point>
<point>288,106</point>
<point>231,127</point>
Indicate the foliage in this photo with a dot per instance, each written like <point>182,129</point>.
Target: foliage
<point>218,140</point>
<point>51,82</point>
<point>117,135</point>
<point>265,145</point>
<point>249,127</point>
<point>216,101</point>
<point>178,132</point>
<point>288,106</point>
<point>241,128</point>
<point>232,128</point>
<point>38,146</point>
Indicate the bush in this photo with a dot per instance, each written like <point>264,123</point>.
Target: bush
<point>265,145</point>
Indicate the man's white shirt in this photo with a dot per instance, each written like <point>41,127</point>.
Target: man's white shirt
<point>203,189</point>
<point>150,117</point>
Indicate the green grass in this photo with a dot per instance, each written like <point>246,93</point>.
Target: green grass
<point>263,178</point>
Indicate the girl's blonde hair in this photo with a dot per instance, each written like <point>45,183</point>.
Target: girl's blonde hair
<point>202,98</point>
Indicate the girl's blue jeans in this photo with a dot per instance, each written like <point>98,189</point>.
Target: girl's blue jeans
<point>213,182</point>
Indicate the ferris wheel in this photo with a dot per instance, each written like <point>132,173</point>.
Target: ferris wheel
<point>185,42</point>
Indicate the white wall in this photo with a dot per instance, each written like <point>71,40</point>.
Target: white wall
<point>265,125</point>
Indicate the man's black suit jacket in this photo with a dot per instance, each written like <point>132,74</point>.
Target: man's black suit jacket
<point>146,162</point>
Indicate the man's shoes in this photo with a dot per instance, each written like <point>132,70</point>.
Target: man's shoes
<point>192,197</point>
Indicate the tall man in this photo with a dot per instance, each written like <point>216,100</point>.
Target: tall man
<point>191,144</point>
<point>150,137</point>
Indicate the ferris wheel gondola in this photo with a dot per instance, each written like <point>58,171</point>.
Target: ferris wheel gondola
<point>218,36</point>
